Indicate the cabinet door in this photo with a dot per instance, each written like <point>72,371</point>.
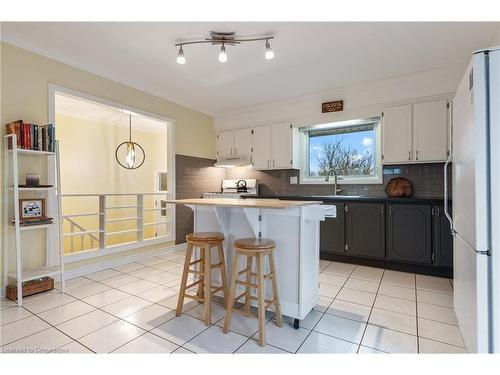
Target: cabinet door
<point>430,131</point>
<point>365,230</point>
<point>243,142</point>
<point>409,230</point>
<point>225,143</point>
<point>442,238</point>
<point>281,146</point>
<point>332,233</point>
<point>261,147</point>
<point>396,135</point>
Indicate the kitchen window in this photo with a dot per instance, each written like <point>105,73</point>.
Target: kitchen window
<point>351,148</point>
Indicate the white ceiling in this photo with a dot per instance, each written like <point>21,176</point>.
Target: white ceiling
<point>310,57</point>
<point>88,110</point>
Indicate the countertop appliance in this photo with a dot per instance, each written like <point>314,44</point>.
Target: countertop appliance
<point>235,189</point>
<point>475,161</point>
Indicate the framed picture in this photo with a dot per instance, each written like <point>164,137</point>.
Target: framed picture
<point>31,208</point>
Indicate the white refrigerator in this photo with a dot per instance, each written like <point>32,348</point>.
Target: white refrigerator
<point>475,161</point>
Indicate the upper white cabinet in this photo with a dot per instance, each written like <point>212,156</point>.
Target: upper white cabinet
<point>261,147</point>
<point>275,147</point>
<point>243,142</point>
<point>225,143</point>
<point>396,130</point>
<point>415,133</point>
<point>271,146</point>
<point>430,131</point>
<point>237,142</point>
<point>282,146</point>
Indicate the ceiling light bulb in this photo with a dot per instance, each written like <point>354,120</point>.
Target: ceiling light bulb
<point>269,51</point>
<point>180,56</point>
<point>223,54</point>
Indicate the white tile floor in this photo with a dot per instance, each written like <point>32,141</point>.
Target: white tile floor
<point>129,309</point>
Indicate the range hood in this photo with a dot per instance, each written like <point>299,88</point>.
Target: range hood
<point>233,161</point>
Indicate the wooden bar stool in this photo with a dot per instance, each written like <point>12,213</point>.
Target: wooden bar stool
<point>252,248</point>
<point>205,241</point>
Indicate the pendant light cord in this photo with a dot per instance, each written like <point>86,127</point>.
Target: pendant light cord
<point>130,127</point>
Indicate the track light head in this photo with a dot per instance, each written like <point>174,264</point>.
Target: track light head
<point>269,52</point>
<point>180,56</point>
<point>223,54</point>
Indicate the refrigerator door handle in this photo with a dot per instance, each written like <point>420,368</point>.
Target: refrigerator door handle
<point>446,164</point>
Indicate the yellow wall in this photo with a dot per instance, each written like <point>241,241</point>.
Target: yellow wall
<point>88,165</point>
<point>24,95</point>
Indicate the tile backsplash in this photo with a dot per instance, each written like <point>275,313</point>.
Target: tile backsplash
<point>194,176</point>
<point>427,180</point>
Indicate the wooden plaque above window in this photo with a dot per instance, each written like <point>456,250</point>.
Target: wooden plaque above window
<point>335,106</point>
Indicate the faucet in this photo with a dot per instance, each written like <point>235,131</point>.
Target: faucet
<point>327,178</point>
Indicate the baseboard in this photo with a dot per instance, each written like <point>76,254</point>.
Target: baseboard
<point>381,263</point>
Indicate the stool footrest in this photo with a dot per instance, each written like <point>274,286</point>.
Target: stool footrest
<point>195,297</point>
<point>244,271</point>
<point>201,273</point>
<point>217,265</point>
<point>270,302</point>
<point>216,289</point>
<point>246,284</point>
<point>268,276</point>
<point>195,262</point>
<point>243,312</point>
<point>236,299</point>
<point>193,284</point>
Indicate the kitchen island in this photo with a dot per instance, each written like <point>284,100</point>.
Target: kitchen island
<point>293,225</point>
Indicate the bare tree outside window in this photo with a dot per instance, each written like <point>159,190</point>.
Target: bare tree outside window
<point>349,153</point>
<point>344,159</point>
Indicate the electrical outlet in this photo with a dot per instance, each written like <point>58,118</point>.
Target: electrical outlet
<point>294,180</point>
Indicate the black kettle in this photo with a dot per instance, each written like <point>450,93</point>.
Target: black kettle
<point>241,186</point>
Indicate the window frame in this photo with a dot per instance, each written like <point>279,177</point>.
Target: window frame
<point>342,180</point>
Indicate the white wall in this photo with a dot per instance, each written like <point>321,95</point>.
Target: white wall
<point>496,40</point>
<point>367,99</point>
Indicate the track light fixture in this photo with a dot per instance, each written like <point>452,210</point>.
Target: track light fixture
<point>223,39</point>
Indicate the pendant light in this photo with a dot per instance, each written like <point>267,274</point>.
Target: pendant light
<point>134,153</point>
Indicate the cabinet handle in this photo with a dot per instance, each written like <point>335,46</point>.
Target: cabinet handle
<point>268,163</point>
<point>409,155</point>
<point>416,155</point>
<point>273,163</point>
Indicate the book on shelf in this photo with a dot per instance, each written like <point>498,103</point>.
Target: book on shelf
<point>32,136</point>
<point>34,221</point>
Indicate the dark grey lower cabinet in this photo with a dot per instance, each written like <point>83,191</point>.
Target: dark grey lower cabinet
<point>365,230</point>
<point>332,233</point>
<point>409,233</point>
<point>442,239</point>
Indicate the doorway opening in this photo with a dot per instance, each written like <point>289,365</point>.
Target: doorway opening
<point>107,208</point>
